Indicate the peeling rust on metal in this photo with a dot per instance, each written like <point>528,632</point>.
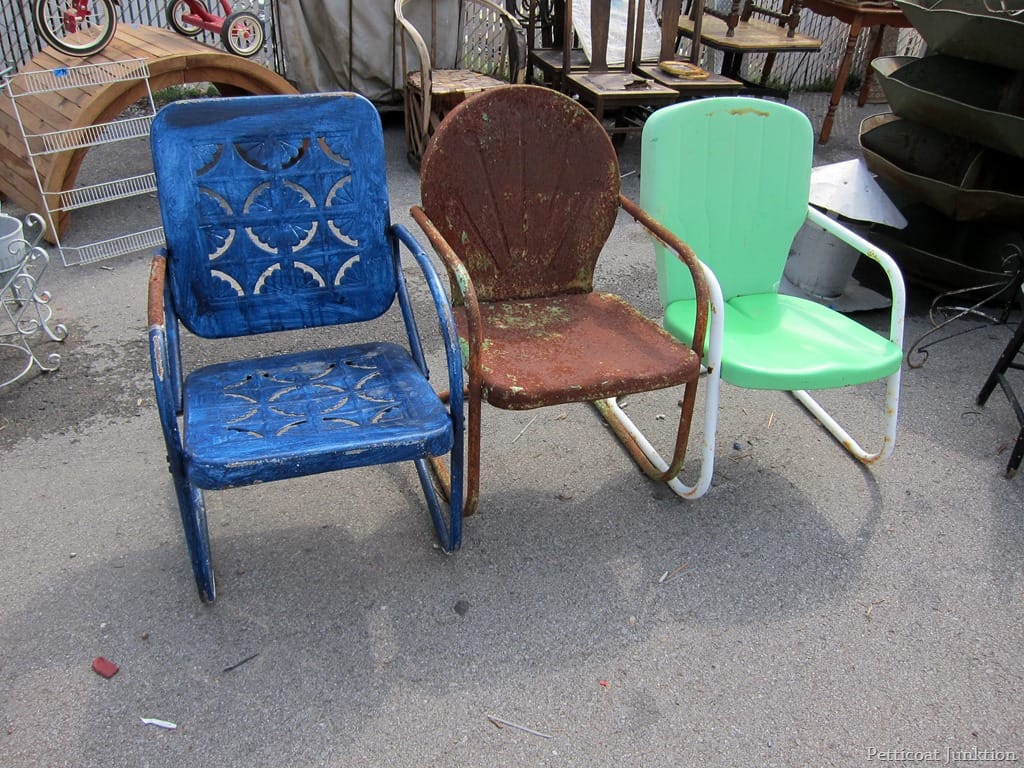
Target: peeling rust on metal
<point>749,111</point>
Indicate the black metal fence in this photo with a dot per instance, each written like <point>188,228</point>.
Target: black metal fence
<point>20,41</point>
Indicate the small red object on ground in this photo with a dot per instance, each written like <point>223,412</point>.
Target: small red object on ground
<point>104,667</point>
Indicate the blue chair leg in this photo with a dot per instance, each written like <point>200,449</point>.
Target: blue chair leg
<point>197,535</point>
<point>449,533</point>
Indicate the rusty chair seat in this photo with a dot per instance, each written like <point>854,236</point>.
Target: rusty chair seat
<point>572,348</point>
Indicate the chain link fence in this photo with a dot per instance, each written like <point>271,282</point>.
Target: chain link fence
<point>792,71</point>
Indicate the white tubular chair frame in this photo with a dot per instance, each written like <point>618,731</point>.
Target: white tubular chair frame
<point>628,432</point>
<point>896,321</point>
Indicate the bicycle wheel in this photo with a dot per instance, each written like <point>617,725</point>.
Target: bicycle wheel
<point>175,10</point>
<point>75,27</point>
<point>243,34</point>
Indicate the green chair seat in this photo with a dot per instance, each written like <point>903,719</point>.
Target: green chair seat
<point>783,342</point>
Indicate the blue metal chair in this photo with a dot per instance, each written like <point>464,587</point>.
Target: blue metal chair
<point>276,217</point>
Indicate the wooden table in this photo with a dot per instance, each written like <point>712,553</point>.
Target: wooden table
<point>752,36</point>
<point>857,16</point>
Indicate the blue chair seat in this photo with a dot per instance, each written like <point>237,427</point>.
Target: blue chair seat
<point>298,414</point>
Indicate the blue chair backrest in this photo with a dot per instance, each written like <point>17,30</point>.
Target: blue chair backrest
<point>731,176</point>
<point>275,212</point>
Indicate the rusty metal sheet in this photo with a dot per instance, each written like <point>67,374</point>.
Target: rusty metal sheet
<point>963,180</point>
<point>537,224</point>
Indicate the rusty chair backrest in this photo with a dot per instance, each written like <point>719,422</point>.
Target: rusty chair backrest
<point>524,184</point>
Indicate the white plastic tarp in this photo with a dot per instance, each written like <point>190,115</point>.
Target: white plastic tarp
<point>332,45</point>
<point>617,22</point>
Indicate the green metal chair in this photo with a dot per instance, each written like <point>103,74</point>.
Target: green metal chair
<point>730,176</point>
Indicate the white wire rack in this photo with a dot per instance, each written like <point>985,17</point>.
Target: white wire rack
<point>89,136</point>
<point>82,76</point>
<point>39,144</point>
<point>103,192</point>
<point>145,240</point>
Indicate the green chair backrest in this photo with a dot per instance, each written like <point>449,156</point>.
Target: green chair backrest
<point>731,177</point>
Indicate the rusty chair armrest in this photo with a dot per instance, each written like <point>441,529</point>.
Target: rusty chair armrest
<point>463,293</point>
<point>686,255</point>
<point>157,279</point>
<point>707,344</point>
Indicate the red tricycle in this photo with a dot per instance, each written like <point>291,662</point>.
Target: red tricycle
<point>83,27</point>
<point>241,32</point>
<point>76,27</point>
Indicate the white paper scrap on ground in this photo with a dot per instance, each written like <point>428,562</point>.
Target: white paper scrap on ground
<point>159,723</point>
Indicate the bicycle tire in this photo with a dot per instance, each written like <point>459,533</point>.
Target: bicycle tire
<point>91,37</point>
<point>175,9</point>
<point>243,34</point>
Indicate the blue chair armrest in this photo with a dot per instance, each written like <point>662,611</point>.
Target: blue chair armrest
<point>446,322</point>
<point>166,375</point>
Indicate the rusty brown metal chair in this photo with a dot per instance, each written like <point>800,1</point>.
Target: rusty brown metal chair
<point>461,48</point>
<point>520,191</point>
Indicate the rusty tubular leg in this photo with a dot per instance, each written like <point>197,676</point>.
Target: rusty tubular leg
<point>629,440</point>
<point>650,461</point>
<point>440,469</point>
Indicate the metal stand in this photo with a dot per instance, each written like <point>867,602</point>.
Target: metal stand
<point>26,311</point>
<point>1007,361</point>
<point>44,146</point>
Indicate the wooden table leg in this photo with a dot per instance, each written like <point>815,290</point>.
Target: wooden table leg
<point>874,49</point>
<point>841,76</point>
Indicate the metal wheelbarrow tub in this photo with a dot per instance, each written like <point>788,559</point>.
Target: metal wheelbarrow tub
<point>963,180</point>
<point>971,30</point>
<point>937,251</point>
<point>976,101</point>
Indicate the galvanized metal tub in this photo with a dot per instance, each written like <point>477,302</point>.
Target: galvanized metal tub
<point>977,101</point>
<point>935,250</point>
<point>962,179</point>
<point>970,30</point>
